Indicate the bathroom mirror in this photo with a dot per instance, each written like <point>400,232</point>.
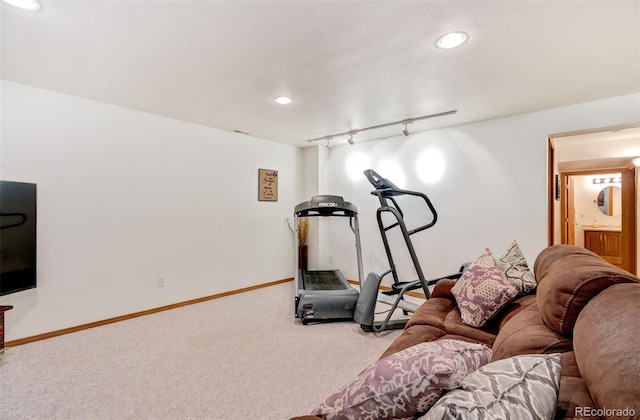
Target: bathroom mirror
<point>609,200</point>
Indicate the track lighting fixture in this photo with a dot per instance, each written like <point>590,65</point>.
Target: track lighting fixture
<point>327,145</point>
<point>404,122</point>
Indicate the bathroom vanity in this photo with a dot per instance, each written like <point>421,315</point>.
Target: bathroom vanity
<point>606,242</point>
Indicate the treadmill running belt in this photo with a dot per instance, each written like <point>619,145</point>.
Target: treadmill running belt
<point>322,280</point>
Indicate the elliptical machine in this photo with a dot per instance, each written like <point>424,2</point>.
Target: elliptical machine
<point>364,313</point>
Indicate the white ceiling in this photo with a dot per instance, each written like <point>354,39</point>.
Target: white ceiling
<point>347,64</point>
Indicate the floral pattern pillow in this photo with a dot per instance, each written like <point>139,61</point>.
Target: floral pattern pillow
<point>406,383</point>
<point>482,291</point>
<point>515,268</point>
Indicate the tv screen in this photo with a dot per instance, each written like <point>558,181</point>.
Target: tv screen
<point>17,236</point>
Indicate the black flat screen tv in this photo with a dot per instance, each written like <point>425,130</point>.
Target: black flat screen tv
<point>17,237</point>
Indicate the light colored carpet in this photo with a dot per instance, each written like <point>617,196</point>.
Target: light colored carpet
<point>239,357</point>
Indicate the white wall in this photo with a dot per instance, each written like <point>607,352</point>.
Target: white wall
<point>125,197</point>
<point>493,189</point>
<point>311,181</point>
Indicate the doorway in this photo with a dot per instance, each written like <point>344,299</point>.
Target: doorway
<point>593,202</point>
<point>593,214</point>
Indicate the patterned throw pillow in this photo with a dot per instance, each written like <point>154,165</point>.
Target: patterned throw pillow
<point>515,268</point>
<point>406,383</point>
<point>482,291</point>
<point>521,387</point>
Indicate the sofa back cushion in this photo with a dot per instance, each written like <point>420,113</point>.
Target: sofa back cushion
<point>568,277</point>
<point>525,333</point>
<point>607,343</point>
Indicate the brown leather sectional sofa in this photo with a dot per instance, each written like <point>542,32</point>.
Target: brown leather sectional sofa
<point>583,307</point>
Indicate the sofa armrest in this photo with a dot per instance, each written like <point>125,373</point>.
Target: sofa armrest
<point>443,288</point>
<point>573,392</point>
<point>607,343</point>
<point>568,278</point>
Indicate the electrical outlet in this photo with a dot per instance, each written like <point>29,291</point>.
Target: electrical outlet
<point>160,281</point>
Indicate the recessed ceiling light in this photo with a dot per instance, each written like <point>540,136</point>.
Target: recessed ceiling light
<point>283,100</point>
<point>31,5</point>
<point>452,40</point>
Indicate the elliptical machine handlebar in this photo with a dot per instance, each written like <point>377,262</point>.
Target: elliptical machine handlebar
<point>386,189</point>
<point>380,183</point>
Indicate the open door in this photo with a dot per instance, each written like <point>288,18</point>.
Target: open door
<point>568,211</point>
<point>629,222</point>
<point>571,213</point>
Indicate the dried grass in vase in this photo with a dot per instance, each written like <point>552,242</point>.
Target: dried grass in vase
<point>303,231</point>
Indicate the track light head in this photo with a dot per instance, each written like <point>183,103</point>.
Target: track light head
<point>350,141</point>
<point>405,130</point>
<point>328,145</point>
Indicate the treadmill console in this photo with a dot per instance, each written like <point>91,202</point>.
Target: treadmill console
<point>325,205</point>
<point>327,201</point>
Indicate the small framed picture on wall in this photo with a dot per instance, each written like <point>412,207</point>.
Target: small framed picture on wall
<point>267,185</point>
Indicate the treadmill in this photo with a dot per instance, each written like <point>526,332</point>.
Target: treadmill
<point>325,295</point>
